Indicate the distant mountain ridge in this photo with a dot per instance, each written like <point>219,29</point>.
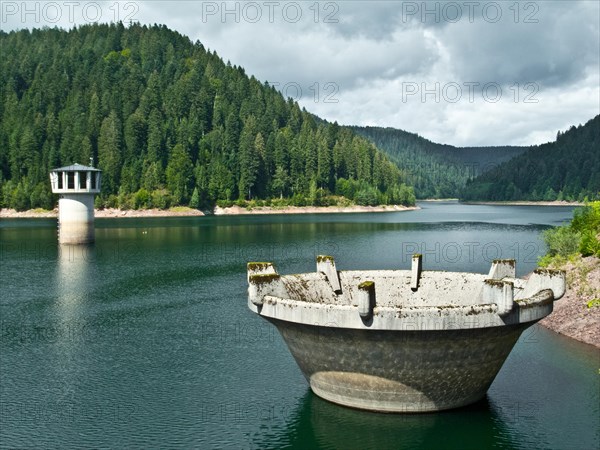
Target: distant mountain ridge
<point>436,170</point>
<point>567,169</point>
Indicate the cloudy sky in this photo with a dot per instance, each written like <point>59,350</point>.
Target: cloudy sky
<point>463,73</point>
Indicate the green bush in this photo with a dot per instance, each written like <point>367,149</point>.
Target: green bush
<point>142,199</point>
<point>562,241</point>
<point>579,237</point>
<point>589,244</point>
<point>278,202</point>
<point>298,200</point>
<point>125,201</point>
<point>112,201</point>
<point>20,198</point>
<point>225,203</point>
<point>346,188</point>
<point>41,197</point>
<point>342,202</point>
<point>586,221</point>
<point>322,198</point>
<point>161,199</point>
<point>367,196</point>
<point>99,202</point>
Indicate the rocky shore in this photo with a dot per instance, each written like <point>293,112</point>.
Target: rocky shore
<point>572,316</point>
<point>103,213</point>
<point>174,212</point>
<point>185,212</point>
<point>236,210</point>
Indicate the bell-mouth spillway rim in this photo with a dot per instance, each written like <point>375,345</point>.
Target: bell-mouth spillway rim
<point>380,299</point>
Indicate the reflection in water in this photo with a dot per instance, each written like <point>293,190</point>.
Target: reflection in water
<point>69,321</point>
<point>317,423</point>
<point>72,286</point>
<point>73,262</point>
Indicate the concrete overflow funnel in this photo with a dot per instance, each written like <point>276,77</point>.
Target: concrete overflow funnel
<point>401,340</point>
<point>76,185</point>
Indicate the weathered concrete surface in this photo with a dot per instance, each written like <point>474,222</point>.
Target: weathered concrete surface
<point>76,219</point>
<point>410,371</point>
<point>400,340</point>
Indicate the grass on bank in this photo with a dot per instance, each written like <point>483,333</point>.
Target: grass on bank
<point>181,209</point>
<point>579,238</point>
<point>569,244</point>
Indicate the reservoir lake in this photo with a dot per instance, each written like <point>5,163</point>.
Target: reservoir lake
<point>145,340</point>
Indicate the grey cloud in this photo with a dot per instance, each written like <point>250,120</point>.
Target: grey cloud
<point>554,51</point>
<point>373,20</point>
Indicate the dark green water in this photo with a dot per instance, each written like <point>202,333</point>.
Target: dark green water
<point>144,340</point>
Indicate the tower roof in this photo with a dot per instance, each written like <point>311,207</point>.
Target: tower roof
<point>76,168</point>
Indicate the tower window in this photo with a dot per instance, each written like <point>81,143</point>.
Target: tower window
<point>82,180</point>
<point>70,180</point>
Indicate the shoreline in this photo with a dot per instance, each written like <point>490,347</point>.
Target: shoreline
<point>237,210</point>
<point>109,213</point>
<point>527,203</point>
<point>115,213</point>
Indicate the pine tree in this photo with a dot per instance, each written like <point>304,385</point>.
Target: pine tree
<point>280,182</point>
<point>179,174</point>
<point>195,200</point>
<point>248,159</point>
<point>109,153</point>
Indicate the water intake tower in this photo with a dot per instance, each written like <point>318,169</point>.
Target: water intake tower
<point>77,185</point>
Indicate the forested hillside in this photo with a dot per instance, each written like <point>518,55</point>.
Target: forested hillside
<point>567,169</point>
<point>436,170</point>
<point>169,123</point>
